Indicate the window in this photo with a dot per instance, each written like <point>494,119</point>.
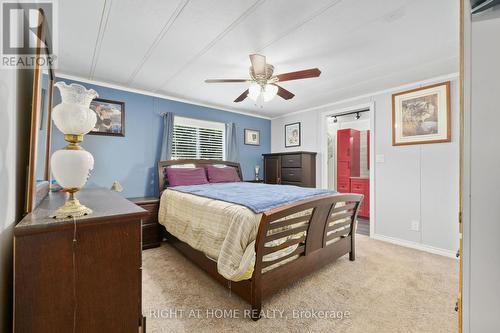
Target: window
<point>198,139</point>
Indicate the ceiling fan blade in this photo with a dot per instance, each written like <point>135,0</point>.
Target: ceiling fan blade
<point>225,80</point>
<point>305,74</point>
<point>283,93</point>
<point>241,97</point>
<point>258,64</point>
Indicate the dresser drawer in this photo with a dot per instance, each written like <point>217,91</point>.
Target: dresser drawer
<point>343,186</point>
<point>153,213</point>
<point>362,186</point>
<point>151,235</point>
<point>359,186</point>
<point>151,229</point>
<point>291,174</point>
<point>291,161</point>
<point>293,183</point>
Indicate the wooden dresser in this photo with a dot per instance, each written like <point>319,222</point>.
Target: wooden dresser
<point>80,275</point>
<point>151,229</point>
<point>290,168</point>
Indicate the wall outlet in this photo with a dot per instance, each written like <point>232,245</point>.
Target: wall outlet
<point>415,225</point>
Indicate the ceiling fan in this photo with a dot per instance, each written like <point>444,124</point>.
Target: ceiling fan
<point>263,82</point>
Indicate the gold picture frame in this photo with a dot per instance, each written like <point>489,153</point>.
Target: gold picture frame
<point>422,115</point>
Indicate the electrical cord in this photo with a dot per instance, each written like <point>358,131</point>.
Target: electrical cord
<point>74,274</point>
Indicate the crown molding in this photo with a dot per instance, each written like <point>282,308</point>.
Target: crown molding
<point>60,75</point>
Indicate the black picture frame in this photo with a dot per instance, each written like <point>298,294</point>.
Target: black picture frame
<point>247,130</point>
<point>106,102</point>
<point>290,127</point>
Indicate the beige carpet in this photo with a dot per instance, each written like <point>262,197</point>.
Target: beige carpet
<point>387,289</point>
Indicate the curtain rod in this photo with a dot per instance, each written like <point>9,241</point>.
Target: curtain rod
<point>348,113</point>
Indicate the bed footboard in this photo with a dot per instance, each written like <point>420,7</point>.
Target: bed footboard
<point>315,232</point>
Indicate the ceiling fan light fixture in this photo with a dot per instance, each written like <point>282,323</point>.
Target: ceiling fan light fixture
<point>263,82</point>
<point>254,91</point>
<point>270,90</point>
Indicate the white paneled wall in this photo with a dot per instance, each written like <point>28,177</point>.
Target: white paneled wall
<point>414,183</point>
<point>481,175</point>
<point>9,192</point>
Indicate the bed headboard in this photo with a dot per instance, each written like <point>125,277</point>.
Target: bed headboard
<point>162,165</point>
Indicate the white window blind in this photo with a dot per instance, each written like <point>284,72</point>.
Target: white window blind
<point>198,139</point>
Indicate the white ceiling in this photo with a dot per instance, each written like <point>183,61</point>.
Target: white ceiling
<point>171,47</point>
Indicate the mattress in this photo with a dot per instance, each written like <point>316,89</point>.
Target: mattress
<point>224,231</point>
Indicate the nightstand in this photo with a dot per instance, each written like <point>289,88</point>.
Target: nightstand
<point>254,181</point>
<point>151,229</point>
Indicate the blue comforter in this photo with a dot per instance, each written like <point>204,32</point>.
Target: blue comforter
<point>257,197</point>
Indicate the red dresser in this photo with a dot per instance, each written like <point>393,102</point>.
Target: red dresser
<point>362,186</point>
<point>347,158</point>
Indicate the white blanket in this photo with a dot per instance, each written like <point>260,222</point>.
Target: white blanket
<point>225,232</point>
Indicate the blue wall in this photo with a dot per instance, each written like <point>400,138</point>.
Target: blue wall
<point>132,159</point>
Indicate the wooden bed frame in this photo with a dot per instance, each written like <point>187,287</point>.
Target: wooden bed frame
<point>330,233</point>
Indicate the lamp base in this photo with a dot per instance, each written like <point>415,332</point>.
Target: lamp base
<point>72,208</point>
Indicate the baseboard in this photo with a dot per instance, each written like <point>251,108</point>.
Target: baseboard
<point>416,246</point>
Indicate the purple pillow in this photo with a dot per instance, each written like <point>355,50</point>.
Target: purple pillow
<point>186,176</point>
<point>222,174</point>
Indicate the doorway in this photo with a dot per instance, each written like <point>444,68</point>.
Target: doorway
<point>348,164</point>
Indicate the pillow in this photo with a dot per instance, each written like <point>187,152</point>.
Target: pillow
<point>222,174</point>
<point>186,176</point>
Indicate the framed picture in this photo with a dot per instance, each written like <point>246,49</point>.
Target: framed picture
<point>110,117</point>
<point>252,137</point>
<point>422,115</point>
<point>292,135</point>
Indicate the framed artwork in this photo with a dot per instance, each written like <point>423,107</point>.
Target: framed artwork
<point>422,115</point>
<point>110,117</point>
<point>252,137</point>
<point>292,135</point>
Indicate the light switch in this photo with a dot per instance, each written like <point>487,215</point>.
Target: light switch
<point>415,225</point>
<point>380,158</point>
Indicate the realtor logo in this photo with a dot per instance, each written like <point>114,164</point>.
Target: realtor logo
<point>28,34</point>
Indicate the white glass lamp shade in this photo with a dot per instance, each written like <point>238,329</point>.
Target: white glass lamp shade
<point>270,90</point>
<point>73,115</point>
<point>71,168</point>
<point>254,91</point>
